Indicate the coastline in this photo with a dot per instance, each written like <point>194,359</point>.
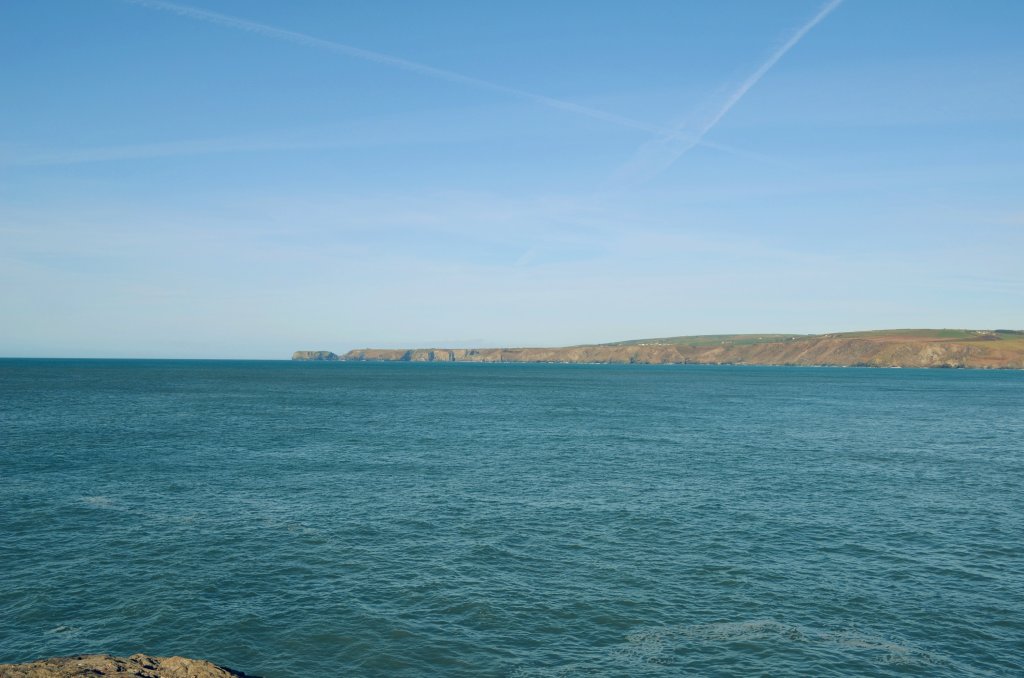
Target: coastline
<point>970,349</point>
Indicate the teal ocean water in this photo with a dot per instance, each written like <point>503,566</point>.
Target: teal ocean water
<point>292,519</point>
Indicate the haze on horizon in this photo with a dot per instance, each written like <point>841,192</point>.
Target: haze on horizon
<point>228,178</point>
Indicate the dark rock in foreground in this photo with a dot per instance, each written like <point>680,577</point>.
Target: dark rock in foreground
<point>135,666</point>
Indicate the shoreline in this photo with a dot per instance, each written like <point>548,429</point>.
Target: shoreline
<point>944,349</point>
<point>958,368</point>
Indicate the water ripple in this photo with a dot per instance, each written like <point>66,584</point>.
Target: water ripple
<point>467,520</point>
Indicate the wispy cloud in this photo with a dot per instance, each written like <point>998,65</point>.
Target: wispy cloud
<point>26,157</point>
<point>153,150</point>
<point>658,154</point>
<point>356,133</point>
<point>421,69</point>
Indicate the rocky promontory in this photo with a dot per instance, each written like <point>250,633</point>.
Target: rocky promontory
<point>988,349</point>
<point>314,355</point>
<point>135,666</point>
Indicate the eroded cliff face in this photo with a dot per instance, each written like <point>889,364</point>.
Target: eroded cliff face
<point>135,666</point>
<point>975,349</point>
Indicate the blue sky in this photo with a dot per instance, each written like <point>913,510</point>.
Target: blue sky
<point>228,178</point>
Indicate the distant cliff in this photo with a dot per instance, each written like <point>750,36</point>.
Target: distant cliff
<point>996,349</point>
<point>315,355</point>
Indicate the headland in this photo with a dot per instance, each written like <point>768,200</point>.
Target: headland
<point>983,349</point>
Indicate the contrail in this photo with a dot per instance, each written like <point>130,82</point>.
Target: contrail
<point>414,67</point>
<point>189,147</point>
<point>675,144</point>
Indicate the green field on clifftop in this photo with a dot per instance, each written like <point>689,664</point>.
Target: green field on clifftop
<point>713,339</point>
<point>944,334</point>
<point>750,339</point>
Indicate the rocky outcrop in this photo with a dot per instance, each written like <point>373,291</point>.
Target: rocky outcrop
<point>998,349</point>
<point>315,355</point>
<point>135,666</point>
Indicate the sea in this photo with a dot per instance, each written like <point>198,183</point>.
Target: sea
<point>401,519</point>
